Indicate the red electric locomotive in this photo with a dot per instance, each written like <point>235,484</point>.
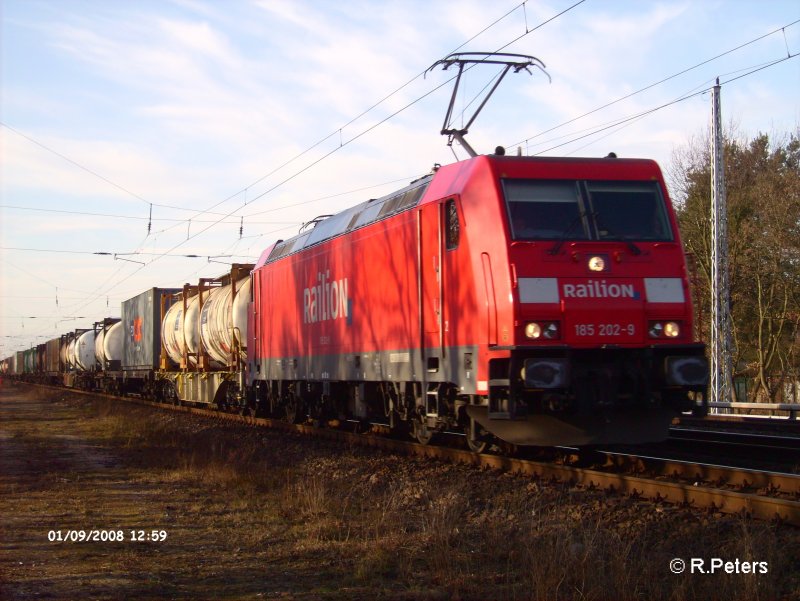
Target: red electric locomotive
<point>542,301</point>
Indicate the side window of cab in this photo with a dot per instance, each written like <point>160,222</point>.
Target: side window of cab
<point>451,224</point>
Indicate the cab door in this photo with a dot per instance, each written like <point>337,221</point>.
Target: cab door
<point>429,249</point>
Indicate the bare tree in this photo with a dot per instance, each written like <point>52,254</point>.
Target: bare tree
<point>763,192</point>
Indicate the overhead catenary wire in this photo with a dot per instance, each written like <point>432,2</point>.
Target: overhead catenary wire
<point>620,123</point>
<point>330,196</point>
<point>140,268</point>
<point>325,156</point>
<point>527,31</point>
<point>339,130</point>
<point>667,104</point>
<point>659,82</point>
<point>134,217</point>
<point>92,172</point>
<point>370,128</point>
<point>615,124</point>
<point>103,252</point>
<point>249,199</point>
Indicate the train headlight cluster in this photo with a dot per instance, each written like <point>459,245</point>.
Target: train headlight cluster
<point>664,329</point>
<point>548,330</point>
<point>598,263</point>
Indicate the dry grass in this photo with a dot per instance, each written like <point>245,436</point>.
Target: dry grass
<point>255,513</point>
<point>429,534</point>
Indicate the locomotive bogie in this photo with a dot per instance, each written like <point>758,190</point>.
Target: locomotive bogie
<point>222,389</point>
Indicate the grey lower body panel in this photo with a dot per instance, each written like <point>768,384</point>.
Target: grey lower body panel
<point>456,365</point>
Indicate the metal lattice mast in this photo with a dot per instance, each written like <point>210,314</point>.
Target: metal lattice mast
<point>721,356</point>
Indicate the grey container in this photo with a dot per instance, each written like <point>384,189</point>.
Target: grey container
<point>141,323</point>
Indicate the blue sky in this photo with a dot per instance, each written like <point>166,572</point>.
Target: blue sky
<point>109,106</point>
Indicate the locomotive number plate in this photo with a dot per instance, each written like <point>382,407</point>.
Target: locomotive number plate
<point>605,330</point>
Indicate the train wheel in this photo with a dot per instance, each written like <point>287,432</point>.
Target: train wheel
<point>294,410</point>
<point>169,394</point>
<point>235,402</point>
<point>422,432</point>
<point>474,444</point>
<point>699,403</point>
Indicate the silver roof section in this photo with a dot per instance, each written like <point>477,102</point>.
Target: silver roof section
<point>356,217</point>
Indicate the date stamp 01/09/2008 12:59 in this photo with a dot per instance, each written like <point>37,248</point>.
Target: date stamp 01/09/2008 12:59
<point>110,535</point>
<point>676,566</point>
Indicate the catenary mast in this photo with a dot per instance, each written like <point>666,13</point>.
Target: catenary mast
<point>721,389</point>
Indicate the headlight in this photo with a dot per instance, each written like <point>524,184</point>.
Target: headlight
<point>597,263</point>
<point>672,329</point>
<point>546,329</point>
<point>533,330</point>
<point>664,329</point>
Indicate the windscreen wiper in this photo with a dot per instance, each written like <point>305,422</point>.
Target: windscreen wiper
<point>635,250</point>
<point>557,246</point>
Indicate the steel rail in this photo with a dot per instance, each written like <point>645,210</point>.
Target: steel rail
<point>695,494</point>
<point>720,475</point>
<point>692,494</point>
<point>747,439</point>
<point>741,423</point>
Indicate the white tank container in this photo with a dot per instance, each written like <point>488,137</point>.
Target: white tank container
<point>172,332</point>
<point>112,343</point>
<point>71,352</point>
<point>223,320</point>
<point>98,345</point>
<point>178,329</point>
<point>191,327</point>
<point>84,351</point>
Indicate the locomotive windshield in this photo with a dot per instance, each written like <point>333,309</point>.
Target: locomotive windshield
<point>586,210</point>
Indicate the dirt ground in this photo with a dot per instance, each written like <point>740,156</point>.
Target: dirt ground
<point>257,514</point>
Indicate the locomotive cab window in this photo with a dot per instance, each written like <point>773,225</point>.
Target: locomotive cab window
<point>583,210</point>
<point>628,211</point>
<point>542,210</point>
<point>451,224</point>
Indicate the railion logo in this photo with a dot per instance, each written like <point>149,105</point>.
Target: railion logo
<point>599,289</point>
<point>326,300</point>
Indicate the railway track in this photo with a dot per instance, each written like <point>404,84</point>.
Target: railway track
<point>772,442</point>
<point>743,449</point>
<point>741,424</point>
<point>761,494</point>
